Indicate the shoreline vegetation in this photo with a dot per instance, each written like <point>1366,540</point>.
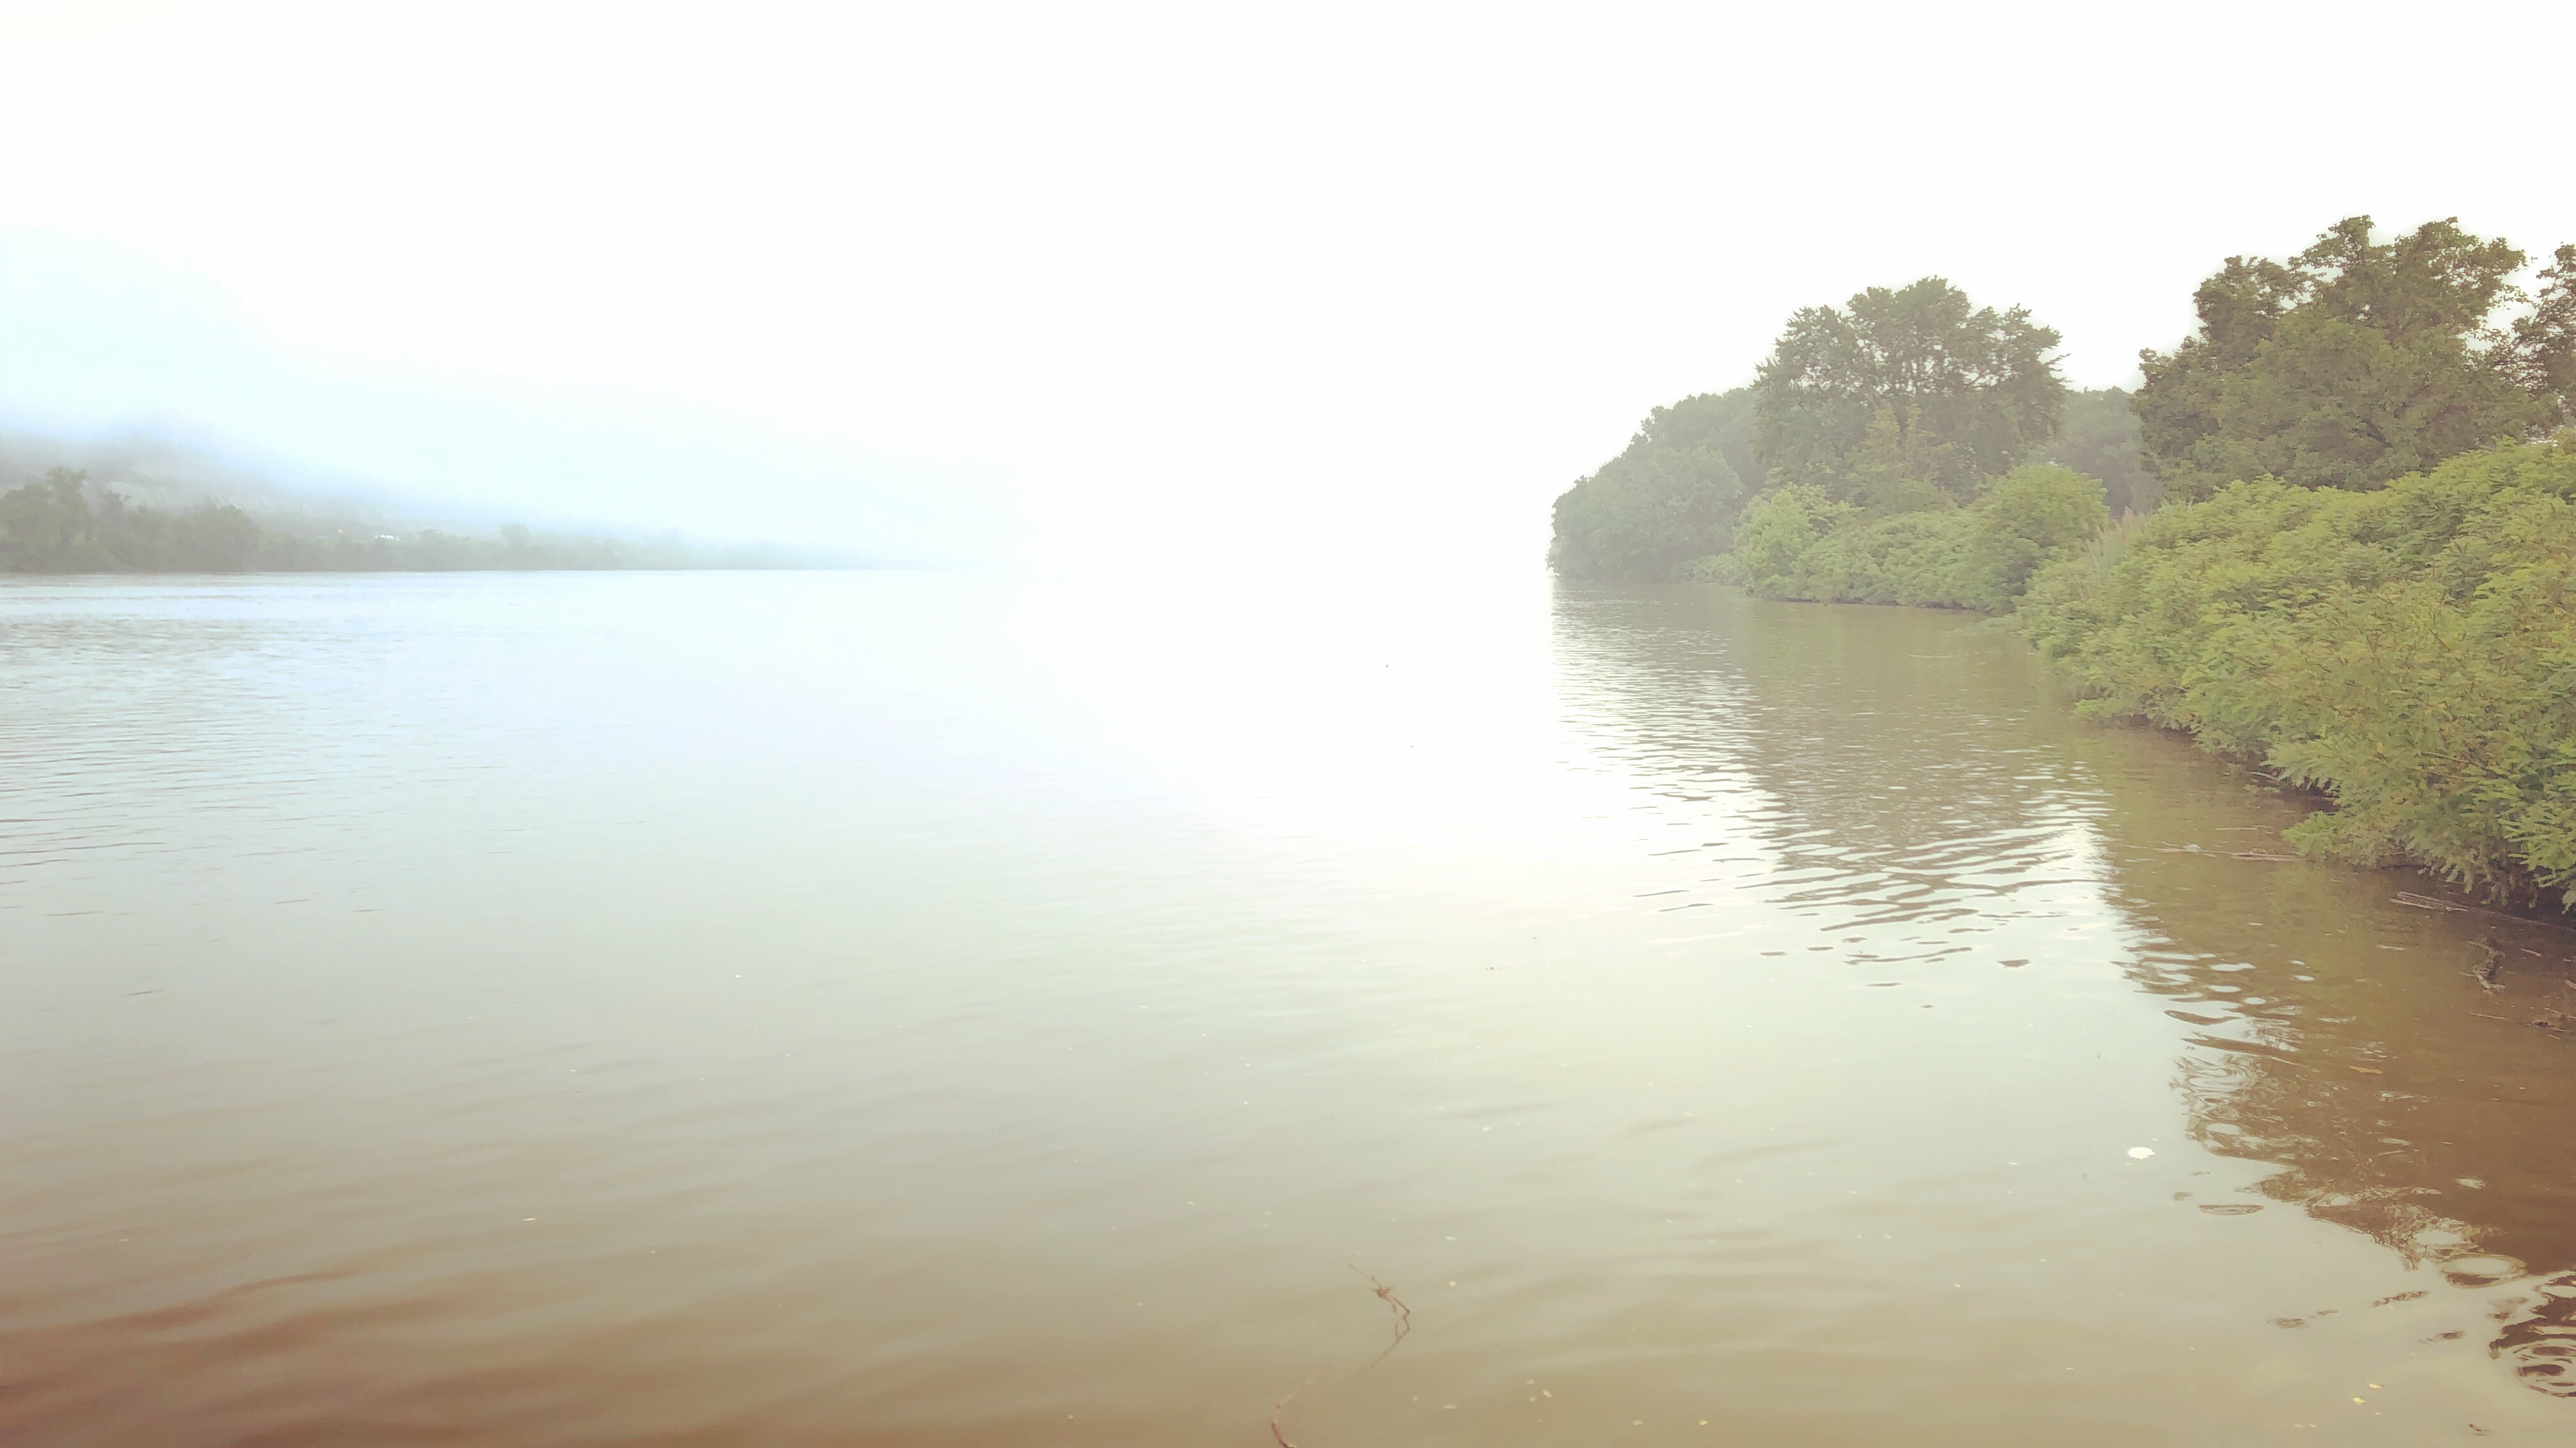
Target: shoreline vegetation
<point>2333,532</point>
<point>63,523</point>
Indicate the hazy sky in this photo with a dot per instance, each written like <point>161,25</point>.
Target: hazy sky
<point>1199,283</point>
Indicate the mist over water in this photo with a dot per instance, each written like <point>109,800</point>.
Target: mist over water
<point>1004,1009</point>
<point>1245,956</point>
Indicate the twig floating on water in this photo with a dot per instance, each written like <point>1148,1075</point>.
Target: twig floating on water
<point>1403,1318</point>
<point>1403,1325</point>
<point>2453,907</point>
<point>1275,1431</point>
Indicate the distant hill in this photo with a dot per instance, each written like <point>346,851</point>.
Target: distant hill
<point>157,470</point>
<point>145,501</point>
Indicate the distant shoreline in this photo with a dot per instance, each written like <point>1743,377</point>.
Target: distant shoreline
<point>64,526</point>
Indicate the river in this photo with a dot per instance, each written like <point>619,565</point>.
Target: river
<point>944,1009</point>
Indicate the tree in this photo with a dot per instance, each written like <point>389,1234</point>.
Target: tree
<point>2354,363</point>
<point>1721,422</point>
<point>2544,343</point>
<point>213,538</point>
<point>1910,396</point>
<point>1670,496</point>
<point>45,526</point>
<point>2098,436</point>
<point>1646,512</point>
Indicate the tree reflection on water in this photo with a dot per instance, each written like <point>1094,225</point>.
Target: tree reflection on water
<point>2406,1072</point>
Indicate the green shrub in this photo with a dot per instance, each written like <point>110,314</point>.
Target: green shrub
<point>1797,544</point>
<point>2410,652</point>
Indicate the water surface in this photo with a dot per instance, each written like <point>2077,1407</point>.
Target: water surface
<point>909,1009</point>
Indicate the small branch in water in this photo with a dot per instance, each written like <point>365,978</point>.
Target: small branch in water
<point>1403,1318</point>
<point>2173,849</point>
<point>1403,1325</point>
<point>1276,1432</point>
<point>2453,907</point>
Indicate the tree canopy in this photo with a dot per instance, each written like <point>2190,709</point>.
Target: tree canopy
<point>2345,519</point>
<point>2356,362</point>
<point>2544,343</point>
<point>1910,397</point>
<point>2098,436</point>
<point>1721,422</point>
<point>1670,496</point>
<point>1644,513</point>
<point>50,527</point>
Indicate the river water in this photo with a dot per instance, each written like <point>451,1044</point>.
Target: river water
<point>911,1009</point>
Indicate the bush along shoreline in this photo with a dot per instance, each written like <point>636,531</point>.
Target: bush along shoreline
<point>1799,544</point>
<point>2334,533</point>
<point>2410,653</point>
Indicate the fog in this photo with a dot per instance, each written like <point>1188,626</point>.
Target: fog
<point>1278,914</point>
<point>1279,287</point>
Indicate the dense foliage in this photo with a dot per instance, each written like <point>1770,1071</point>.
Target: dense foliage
<point>1718,422</point>
<point>1672,495</point>
<point>2356,362</point>
<point>50,527</point>
<point>1798,543</point>
<point>2411,652</point>
<point>1912,400</point>
<point>1910,397</point>
<point>2097,436</point>
<point>2345,536</point>
<point>55,526</point>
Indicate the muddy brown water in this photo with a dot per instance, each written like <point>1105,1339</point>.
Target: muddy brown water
<point>952,1009</point>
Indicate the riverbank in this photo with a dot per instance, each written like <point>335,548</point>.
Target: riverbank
<point>2408,652</point>
<point>2406,655</point>
<point>2343,541</point>
<point>1797,544</point>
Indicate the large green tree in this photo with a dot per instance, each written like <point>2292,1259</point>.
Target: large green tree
<point>2356,362</point>
<point>1721,422</point>
<point>1648,510</point>
<point>1906,398</point>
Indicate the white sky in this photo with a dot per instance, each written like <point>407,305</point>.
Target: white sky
<point>1196,283</point>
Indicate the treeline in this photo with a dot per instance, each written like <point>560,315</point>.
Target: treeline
<point>2351,364</point>
<point>63,525</point>
<point>2334,530</point>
